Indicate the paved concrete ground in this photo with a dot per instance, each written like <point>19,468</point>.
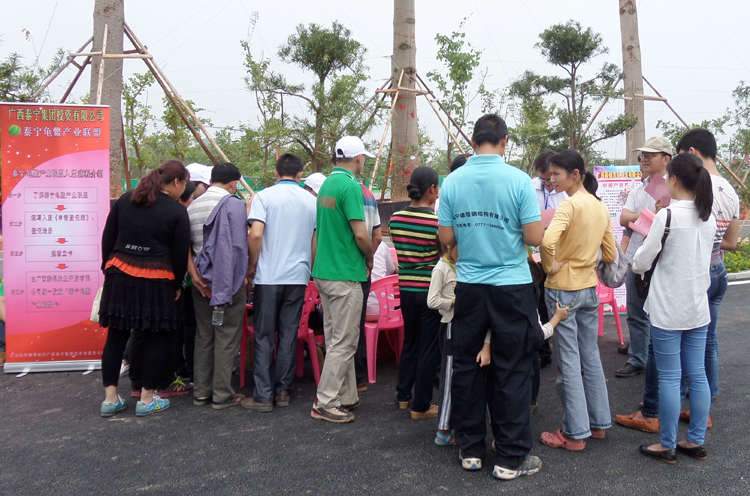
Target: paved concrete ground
<point>52,441</point>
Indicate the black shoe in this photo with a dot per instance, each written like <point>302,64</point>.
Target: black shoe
<point>667,456</point>
<point>623,349</point>
<point>699,452</point>
<point>629,370</point>
<point>543,362</point>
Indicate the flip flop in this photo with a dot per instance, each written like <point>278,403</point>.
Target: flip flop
<point>445,439</point>
<point>557,440</point>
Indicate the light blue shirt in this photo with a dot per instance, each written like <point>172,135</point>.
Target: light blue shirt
<point>487,201</point>
<point>289,215</point>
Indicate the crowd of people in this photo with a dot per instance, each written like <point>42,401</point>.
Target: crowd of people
<point>183,256</point>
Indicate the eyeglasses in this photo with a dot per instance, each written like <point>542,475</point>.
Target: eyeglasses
<point>545,181</point>
<point>648,155</point>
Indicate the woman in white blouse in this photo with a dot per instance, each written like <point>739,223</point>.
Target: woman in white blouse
<point>677,303</point>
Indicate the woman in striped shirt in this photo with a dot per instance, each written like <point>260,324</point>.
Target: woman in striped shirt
<point>414,234</point>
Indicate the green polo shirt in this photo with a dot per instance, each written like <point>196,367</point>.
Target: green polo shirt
<point>340,200</point>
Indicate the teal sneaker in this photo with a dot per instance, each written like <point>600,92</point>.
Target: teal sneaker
<point>109,409</point>
<point>157,405</point>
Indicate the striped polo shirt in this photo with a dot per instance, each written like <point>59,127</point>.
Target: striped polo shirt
<point>414,234</point>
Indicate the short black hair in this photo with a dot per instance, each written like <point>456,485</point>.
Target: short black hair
<point>541,163</point>
<point>459,161</point>
<point>225,173</point>
<point>700,139</point>
<point>489,128</point>
<point>189,190</point>
<point>289,165</point>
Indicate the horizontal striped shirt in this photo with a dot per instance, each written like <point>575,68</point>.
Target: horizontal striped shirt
<point>414,234</point>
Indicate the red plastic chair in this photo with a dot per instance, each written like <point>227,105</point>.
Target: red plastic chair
<point>607,296</point>
<point>390,319</point>
<point>304,335</point>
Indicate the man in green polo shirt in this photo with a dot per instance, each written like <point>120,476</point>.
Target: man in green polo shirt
<point>343,261</point>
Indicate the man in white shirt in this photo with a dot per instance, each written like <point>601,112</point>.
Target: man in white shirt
<point>282,226</point>
<point>655,155</point>
<point>726,210</point>
<point>546,195</point>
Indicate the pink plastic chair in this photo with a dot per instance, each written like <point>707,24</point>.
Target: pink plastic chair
<point>390,319</point>
<point>304,335</point>
<point>607,296</point>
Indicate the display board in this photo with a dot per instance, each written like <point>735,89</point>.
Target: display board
<point>55,201</point>
<point>615,183</point>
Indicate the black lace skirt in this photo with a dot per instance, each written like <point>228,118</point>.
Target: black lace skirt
<point>138,303</point>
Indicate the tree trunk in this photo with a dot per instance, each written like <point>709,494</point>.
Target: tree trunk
<point>631,66</point>
<point>404,130</point>
<point>111,13</point>
<point>318,156</point>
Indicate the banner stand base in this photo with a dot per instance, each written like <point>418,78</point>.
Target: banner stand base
<point>57,366</point>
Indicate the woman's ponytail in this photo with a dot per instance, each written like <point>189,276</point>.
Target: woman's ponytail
<point>704,194</point>
<point>591,184</point>
<point>689,171</point>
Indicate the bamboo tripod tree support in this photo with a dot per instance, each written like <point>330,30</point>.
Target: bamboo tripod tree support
<point>660,98</point>
<point>431,99</point>
<point>140,51</point>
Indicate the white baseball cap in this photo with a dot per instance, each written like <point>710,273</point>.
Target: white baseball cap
<point>200,173</point>
<point>350,147</point>
<point>315,181</point>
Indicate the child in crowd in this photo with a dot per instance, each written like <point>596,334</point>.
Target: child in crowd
<point>442,297</point>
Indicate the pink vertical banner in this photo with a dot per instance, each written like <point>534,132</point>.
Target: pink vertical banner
<point>55,201</point>
<point>615,183</point>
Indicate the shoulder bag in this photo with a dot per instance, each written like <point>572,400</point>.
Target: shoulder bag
<point>643,282</point>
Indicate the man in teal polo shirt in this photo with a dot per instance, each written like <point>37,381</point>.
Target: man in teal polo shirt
<point>489,209</point>
<point>343,261</point>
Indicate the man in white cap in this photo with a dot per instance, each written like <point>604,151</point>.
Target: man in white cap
<point>342,263</point>
<point>655,155</point>
<point>313,182</point>
<point>200,175</point>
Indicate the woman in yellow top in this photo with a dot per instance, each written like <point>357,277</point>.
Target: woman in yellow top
<point>580,227</point>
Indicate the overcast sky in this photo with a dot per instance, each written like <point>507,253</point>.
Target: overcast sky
<point>695,53</point>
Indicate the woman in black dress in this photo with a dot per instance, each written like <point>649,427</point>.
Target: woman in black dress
<point>144,258</point>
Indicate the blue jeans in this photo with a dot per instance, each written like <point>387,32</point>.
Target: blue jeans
<point>638,325</point>
<point>580,381</point>
<point>677,352</point>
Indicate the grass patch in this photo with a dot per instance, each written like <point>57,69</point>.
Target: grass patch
<point>738,260</point>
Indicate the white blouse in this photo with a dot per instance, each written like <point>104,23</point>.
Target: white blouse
<point>678,297</point>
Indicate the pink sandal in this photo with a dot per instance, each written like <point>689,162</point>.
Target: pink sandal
<point>557,440</point>
<point>597,433</point>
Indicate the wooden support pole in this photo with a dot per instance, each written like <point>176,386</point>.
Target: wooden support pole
<point>368,103</point>
<point>125,164</point>
<point>101,68</point>
<point>114,55</point>
<point>437,113</point>
<point>175,97</point>
<point>155,67</point>
<point>59,71</point>
<point>718,159</point>
<point>75,80</point>
<point>461,131</point>
<point>385,131</point>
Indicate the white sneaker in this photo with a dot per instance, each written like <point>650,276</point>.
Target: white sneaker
<point>124,369</point>
<point>469,463</point>
<point>531,465</point>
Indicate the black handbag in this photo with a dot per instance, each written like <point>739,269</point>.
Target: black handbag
<point>643,282</point>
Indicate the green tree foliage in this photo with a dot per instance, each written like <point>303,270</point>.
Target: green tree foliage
<point>19,82</point>
<point>336,98</point>
<point>460,64</point>
<point>137,119</point>
<point>569,46</point>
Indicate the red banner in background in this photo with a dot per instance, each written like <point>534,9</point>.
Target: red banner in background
<point>55,196</point>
